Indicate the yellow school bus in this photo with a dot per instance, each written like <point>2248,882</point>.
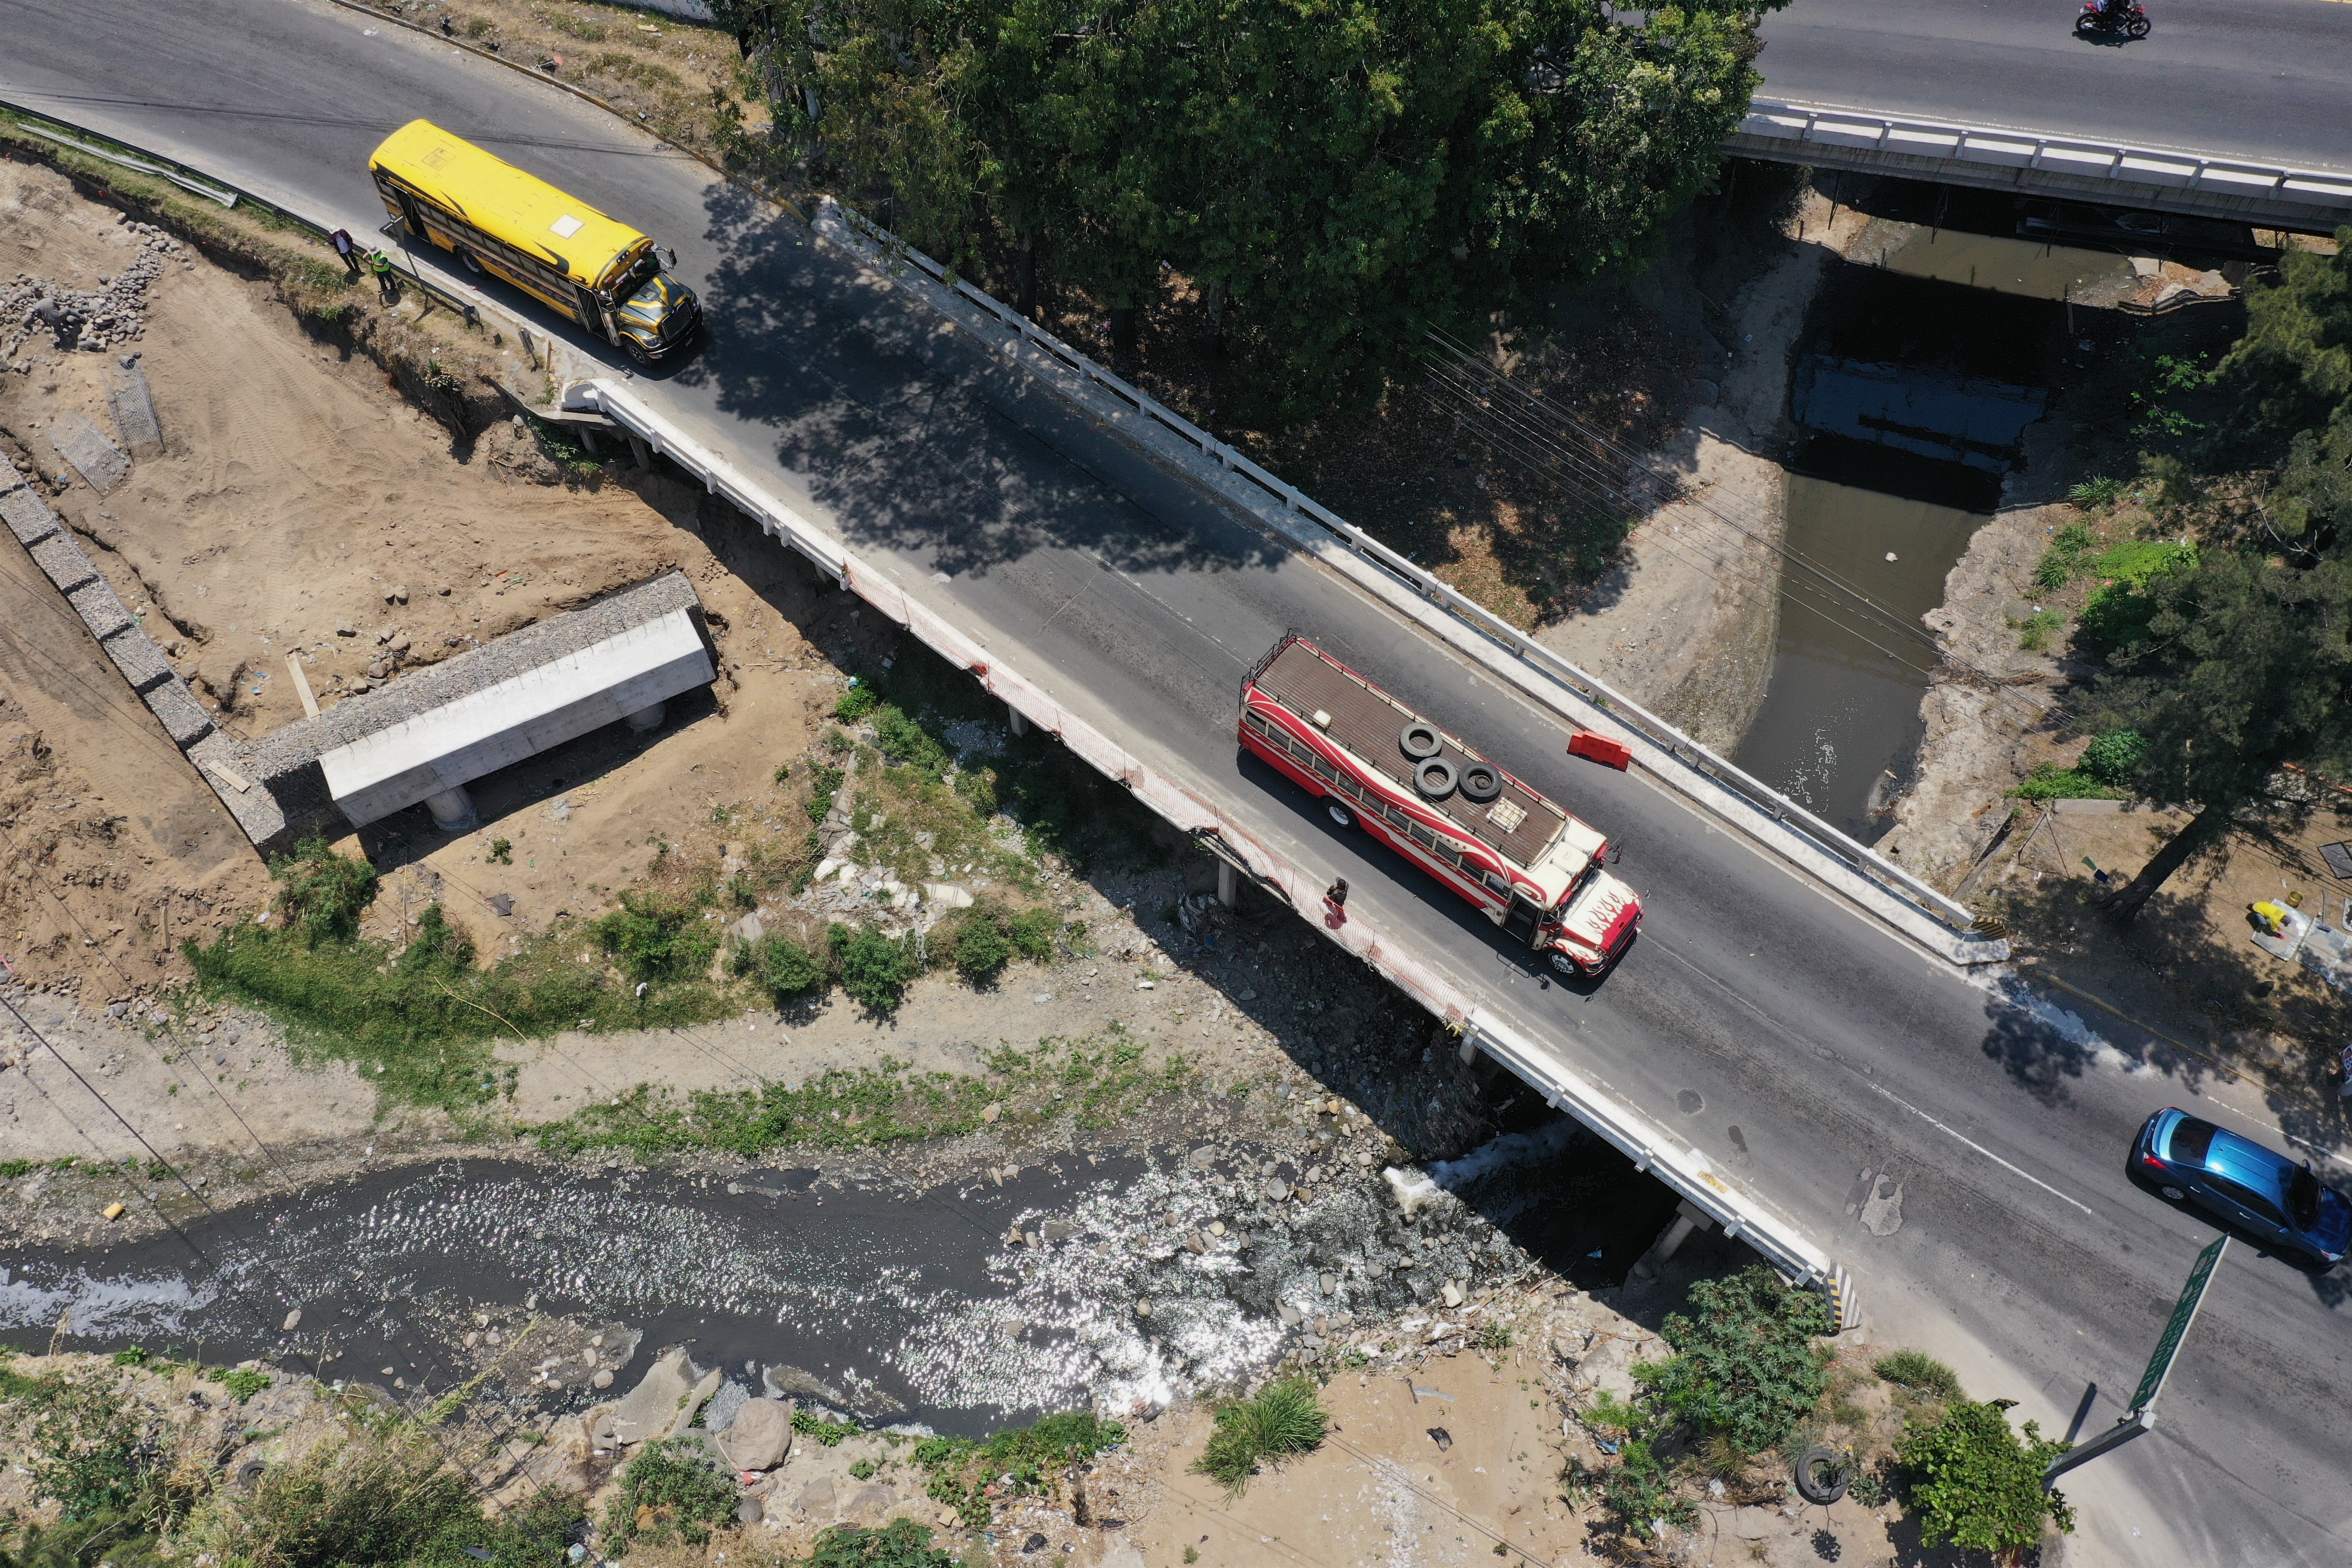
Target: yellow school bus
<point>499,220</point>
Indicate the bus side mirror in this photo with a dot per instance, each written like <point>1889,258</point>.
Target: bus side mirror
<point>667,254</point>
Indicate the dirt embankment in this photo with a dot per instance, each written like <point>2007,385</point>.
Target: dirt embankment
<point>1684,624</point>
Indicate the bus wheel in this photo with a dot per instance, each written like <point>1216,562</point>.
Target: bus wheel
<point>1565,964</point>
<point>637,350</point>
<point>473,263</point>
<point>1342,816</point>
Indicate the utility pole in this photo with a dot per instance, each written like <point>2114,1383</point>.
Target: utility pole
<point>2159,1367</point>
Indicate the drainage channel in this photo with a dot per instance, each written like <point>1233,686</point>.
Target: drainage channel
<point>1925,356</point>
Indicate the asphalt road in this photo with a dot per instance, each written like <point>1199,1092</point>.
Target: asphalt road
<point>2266,81</point>
<point>1794,1042</point>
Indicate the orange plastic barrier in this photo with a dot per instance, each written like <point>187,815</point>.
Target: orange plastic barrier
<point>1601,749</point>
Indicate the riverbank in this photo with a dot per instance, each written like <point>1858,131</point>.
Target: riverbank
<point>1685,622</point>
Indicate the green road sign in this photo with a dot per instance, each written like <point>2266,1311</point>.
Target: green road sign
<point>2184,1312</point>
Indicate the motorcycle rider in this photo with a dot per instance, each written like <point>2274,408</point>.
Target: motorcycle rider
<point>2114,13</point>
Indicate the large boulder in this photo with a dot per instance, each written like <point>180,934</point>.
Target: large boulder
<point>760,1436</point>
<point>662,1404</point>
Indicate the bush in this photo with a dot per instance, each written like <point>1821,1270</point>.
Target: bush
<point>2113,758</point>
<point>904,740</point>
<point>981,949</point>
<point>2116,617</point>
<point>874,968</point>
<point>2098,491</point>
<point>1744,1365</point>
<point>1919,1372</point>
<point>1282,1419</point>
<point>1638,1495</point>
<point>2048,781</point>
<point>324,893</point>
<point>1032,932</point>
<point>1976,1483</point>
<point>781,965</point>
<point>655,938</point>
<point>670,1491</point>
<point>856,702</point>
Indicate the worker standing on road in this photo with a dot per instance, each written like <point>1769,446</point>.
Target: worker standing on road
<point>1336,898</point>
<point>346,247</point>
<point>381,265</point>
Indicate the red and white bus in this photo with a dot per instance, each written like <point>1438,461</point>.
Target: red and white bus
<point>1533,869</point>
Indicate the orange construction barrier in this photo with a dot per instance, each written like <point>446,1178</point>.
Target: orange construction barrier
<point>1601,749</point>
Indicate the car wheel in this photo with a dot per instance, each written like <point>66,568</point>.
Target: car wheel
<point>2174,1193</point>
<point>1342,816</point>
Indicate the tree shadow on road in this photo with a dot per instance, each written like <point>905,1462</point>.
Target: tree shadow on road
<point>911,432</point>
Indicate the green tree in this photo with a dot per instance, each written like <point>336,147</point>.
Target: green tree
<point>1978,1484</point>
<point>1335,177</point>
<point>2245,667</point>
<point>1744,1362</point>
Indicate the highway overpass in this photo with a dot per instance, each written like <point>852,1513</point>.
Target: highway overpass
<point>1794,1044</point>
<point>2242,111</point>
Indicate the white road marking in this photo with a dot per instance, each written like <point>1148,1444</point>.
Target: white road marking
<point>1978,1148</point>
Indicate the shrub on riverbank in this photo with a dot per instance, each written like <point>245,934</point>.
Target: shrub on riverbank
<point>1282,1419</point>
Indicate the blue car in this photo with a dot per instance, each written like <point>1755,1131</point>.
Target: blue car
<point>2263,1193</point>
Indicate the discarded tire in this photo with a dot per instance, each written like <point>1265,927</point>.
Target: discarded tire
<point>249,1474</point>
<point>1481,783</point>
<point>1822,1475</point>
<point>1435,778</point>
<point>1418,740</point>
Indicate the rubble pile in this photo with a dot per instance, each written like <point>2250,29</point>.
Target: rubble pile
<point>95,319</point>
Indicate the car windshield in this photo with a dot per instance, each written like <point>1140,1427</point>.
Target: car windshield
<point>2302,1198</point>
<point>2191,1140</point>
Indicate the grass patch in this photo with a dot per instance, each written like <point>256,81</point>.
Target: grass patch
<point>1017,1461</point>
<point>901,1544</point>
<point>417,1019</point>
<point>1283,1418</point>
<point>2034,632</point>
<point>1098,1084</point>
<point>828,1433</point>
<point>1918,1372</point>
<point>2068,550</point>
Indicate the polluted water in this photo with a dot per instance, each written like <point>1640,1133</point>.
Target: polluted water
<point>1116,1284</point>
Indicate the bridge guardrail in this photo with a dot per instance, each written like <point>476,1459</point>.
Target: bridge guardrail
<point>1652,1150</point>
<point>2010,148</point>
<point>1689,753</point>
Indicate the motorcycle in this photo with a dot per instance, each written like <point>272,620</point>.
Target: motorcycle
<point>2096,20</point>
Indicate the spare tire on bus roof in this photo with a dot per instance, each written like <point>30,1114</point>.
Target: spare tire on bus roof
<point>1419,739</point>
<point>1481,783</point>
<point>1435,778</point>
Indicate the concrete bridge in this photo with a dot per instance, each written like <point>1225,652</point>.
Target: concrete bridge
<point>2238,112</point>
